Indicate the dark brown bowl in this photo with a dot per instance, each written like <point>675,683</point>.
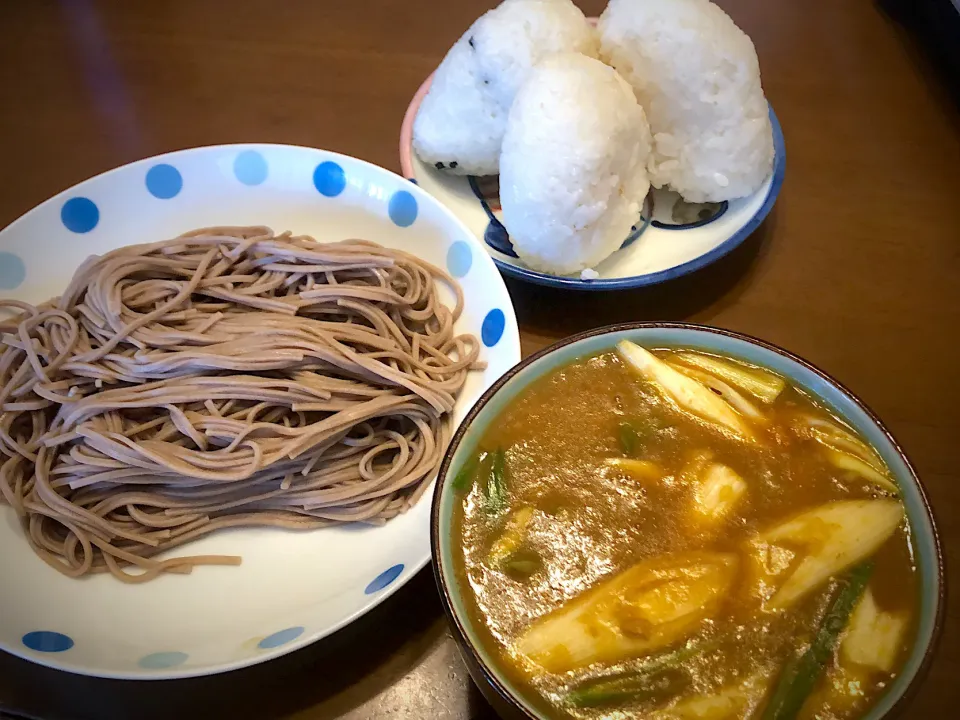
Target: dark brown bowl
<point>493,683</point>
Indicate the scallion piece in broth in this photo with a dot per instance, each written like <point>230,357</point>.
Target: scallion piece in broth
<point>635,434</point>
<point>643,470</point>
<point>629,438</point>
<point>496,495</point>
<point>764,385</point>
<point>658,685</point>
<point>799,677</point>
<point>513,535</point>
<point>638,609</point>
<point>523,564</point>
<point>634,686</point>
<point>836,536</point>
<point>684,392</point>
<point>874,637</point>
<point>673,658</point>
<point>467,474</point>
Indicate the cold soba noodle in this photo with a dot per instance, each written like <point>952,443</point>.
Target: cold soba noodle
<point>229,377</point>
<point>676,536</point>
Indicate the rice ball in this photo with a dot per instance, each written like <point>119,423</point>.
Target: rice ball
<point>698,78</point>
<point>573,166</point>
<point>461,121</point>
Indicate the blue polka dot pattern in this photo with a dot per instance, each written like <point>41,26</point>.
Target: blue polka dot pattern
<point>280,638</point>
<point>329,179</point>
<point>162,660</point>
<point>80,215</point>
<point>47,641</point>
<point>492,329</point>
<point>384,579</point>
<point>459,259</point>
<point>403,208</point>
<point>413,180</point>
<point>250,167</point>
<point>164,181</point>
<point>12,271</point>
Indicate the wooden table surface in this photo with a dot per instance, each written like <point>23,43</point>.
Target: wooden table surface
<point>857,269</point>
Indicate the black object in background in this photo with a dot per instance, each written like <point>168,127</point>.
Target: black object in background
<point>936,25</point>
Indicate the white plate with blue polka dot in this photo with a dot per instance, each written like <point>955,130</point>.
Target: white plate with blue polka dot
<point>292,587</point>
<point>671,237</point>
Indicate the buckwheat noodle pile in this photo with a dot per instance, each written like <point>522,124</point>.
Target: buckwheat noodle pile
<point>229,377</point>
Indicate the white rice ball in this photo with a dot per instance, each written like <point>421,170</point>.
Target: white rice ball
<point>573,167</point>
<point>461,121</point>
<point>698,78</point>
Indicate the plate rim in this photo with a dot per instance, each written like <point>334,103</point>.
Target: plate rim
<point>633,281</point>
<point>511,333</point>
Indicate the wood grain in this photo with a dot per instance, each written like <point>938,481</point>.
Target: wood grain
<point>857,268</point>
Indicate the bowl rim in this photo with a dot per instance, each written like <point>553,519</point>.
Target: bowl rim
<point>446,592</point>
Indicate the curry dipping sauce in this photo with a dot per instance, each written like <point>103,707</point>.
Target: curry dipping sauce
<point>671,534</point>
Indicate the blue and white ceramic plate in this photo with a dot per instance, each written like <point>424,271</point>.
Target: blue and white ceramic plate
<point>671,238</point>
<point>293,587</point>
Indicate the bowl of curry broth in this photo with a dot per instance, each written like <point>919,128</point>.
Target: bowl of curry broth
<point>676,522</point>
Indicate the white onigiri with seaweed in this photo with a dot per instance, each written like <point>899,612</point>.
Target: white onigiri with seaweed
<point>461,121</point>
<point>573,166</point>
<point>698,78</point>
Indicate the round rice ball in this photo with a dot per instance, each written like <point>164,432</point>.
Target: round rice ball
<point>461,121</point>
<point>573,167</point>
<point>698,78</point>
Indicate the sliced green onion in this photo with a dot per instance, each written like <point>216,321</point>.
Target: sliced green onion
<point>800,675</point>
<point>467,473</point>
<point>523,564</point>
<point>657,685</point>
<point>763,384</point>
<point>629,438</point>
<point>643,682</point>
<point>496,495</point>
